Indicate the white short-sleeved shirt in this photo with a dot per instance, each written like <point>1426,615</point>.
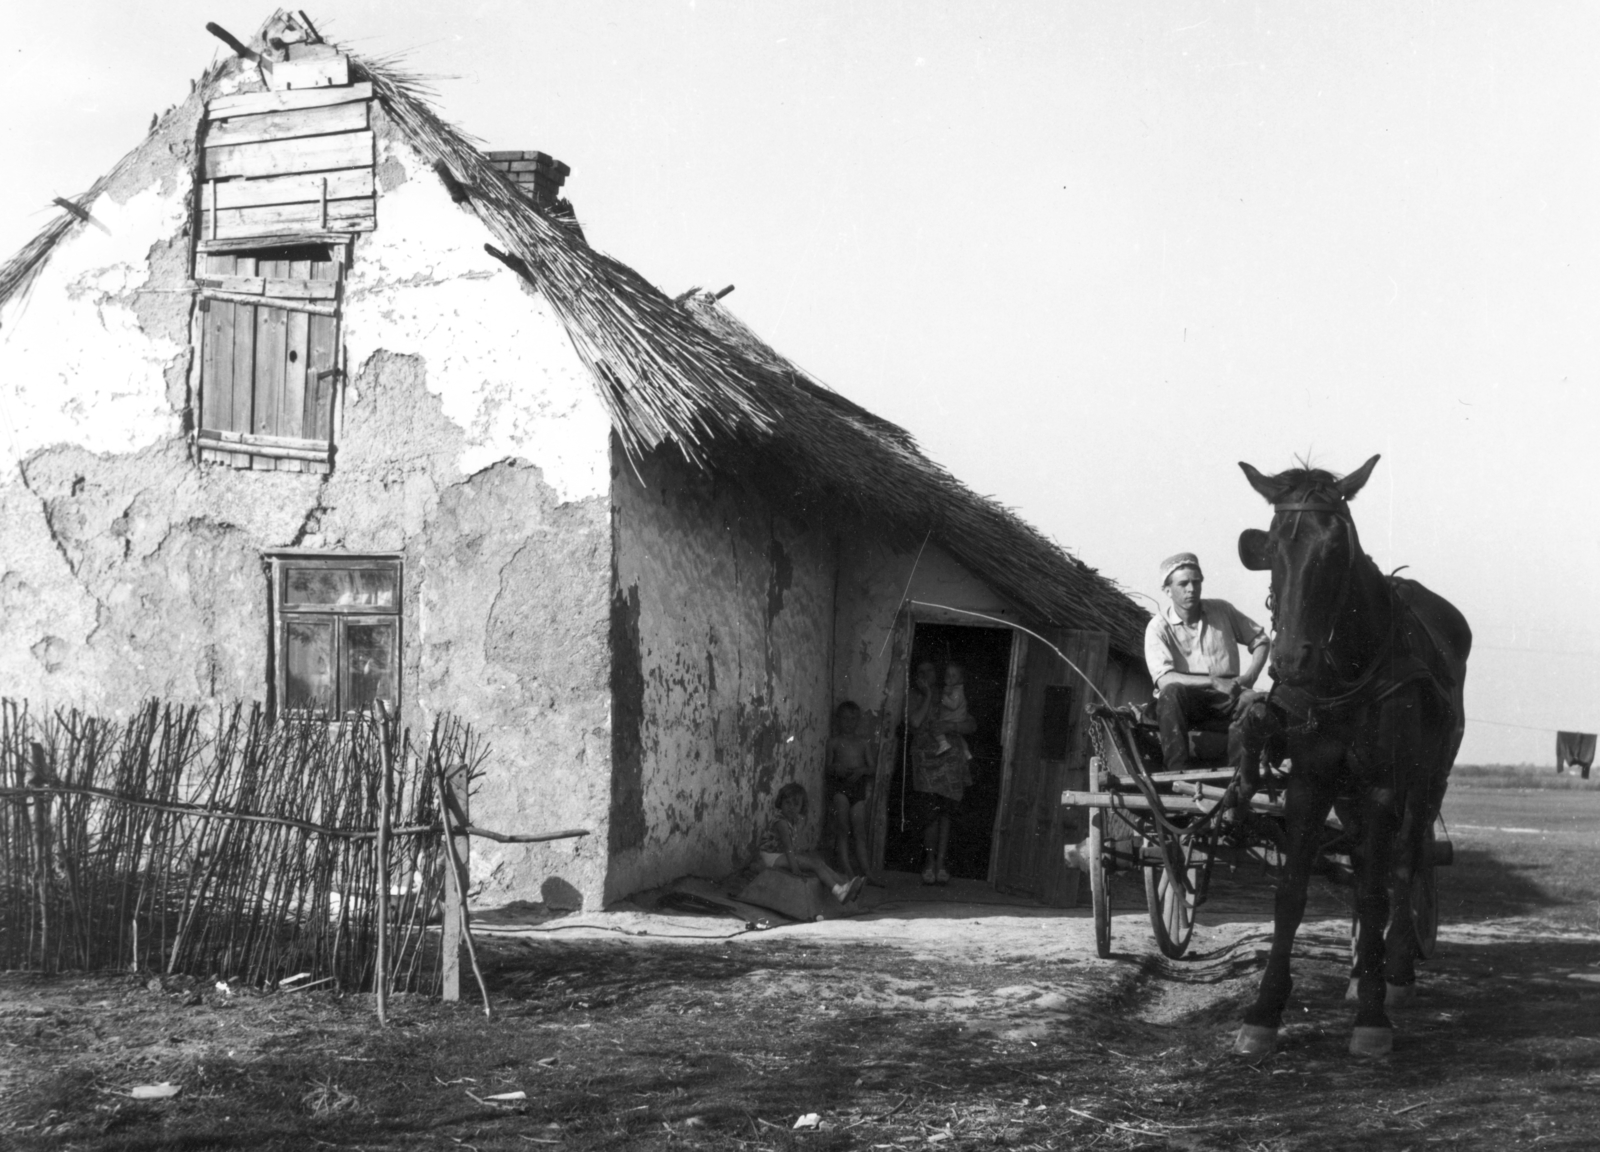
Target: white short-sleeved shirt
<point>1209,647</point>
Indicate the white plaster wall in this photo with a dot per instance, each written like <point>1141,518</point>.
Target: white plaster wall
<point>76,368</point>
<point>874,578</point>
<point>498,356</point>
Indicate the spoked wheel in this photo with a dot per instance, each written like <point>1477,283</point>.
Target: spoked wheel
<point>1169,890</point>
<point>1425,902</point>
<point>1099,883</point>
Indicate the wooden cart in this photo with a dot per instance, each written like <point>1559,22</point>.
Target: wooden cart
<point>1174,827</point>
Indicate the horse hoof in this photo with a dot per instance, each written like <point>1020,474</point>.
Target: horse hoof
<point>1372,1041</point>
<point>1254,1040</point>
<point>1398,995</point>
<point>1352,992</point>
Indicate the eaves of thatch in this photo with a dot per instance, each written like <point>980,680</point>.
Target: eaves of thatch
<point>684,374</point>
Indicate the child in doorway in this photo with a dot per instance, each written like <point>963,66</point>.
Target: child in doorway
<point>781,846</point>
<point>953,711</point>
<point>848,774</point>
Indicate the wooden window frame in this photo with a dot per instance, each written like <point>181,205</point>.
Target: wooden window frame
<point>338,616</point>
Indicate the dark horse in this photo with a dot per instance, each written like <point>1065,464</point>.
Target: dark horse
<point>1367,704</point>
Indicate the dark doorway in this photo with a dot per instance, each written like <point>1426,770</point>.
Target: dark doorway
<point>985,655</point>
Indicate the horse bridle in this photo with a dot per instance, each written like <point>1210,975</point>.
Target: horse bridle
<point>1341,509</point>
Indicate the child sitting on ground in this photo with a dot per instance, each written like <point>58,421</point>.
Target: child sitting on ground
<point>781,845</point>
<point>848,772</point>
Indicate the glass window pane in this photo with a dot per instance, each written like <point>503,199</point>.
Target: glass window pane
<point>369,652</point>
<point>308,666</point>
<point>348,587</point>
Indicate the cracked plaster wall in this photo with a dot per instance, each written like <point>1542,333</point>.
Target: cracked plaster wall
<point>722,645</point>
<point>472,444</point>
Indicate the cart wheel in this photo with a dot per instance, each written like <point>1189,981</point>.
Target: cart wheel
<point>1099,884</point>
<point>1425,903</point>
<point>1170,894</point>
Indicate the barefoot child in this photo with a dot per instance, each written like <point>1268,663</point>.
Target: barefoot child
<point>780,846</point>
<point>849,784</point>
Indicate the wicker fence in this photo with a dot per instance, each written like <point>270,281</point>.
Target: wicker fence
<point>243,850</point>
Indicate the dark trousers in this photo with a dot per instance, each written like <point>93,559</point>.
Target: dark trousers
<point>1182,707</point>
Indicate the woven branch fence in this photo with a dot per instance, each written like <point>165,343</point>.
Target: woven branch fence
<point>244,851</point>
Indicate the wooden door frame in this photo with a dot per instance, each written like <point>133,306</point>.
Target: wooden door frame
<point>1008,742</point>
<point>1008,724</point>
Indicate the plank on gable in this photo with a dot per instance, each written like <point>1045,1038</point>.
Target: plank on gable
<point>286,125</point>
<point>287,157</point>
<point>343,184</point>
<point>280,219</point>
<point>255,103</point>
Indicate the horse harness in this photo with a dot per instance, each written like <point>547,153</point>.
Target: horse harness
<point>1394,667</point>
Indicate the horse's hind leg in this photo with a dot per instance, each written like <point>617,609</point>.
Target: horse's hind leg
<point>1306,807</point>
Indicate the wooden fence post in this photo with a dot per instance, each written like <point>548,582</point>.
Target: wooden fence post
<point>456,857</point>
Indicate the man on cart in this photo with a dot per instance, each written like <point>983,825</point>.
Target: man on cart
<point>1192,649</point>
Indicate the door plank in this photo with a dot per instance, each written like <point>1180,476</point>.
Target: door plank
<point>1034,829</point>
<point>292,402</point>
<point>271,350</point>
<point>242,323</point>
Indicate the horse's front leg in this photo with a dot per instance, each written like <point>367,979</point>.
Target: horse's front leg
<point>1375,871</point>
<point>1306,804</point>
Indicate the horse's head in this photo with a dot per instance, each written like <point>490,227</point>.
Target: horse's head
<point>1311,551</point>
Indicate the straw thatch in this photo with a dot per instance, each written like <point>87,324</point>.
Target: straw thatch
<point>685,375</point>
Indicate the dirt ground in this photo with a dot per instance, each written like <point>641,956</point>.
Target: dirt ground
<point>946,1018</point>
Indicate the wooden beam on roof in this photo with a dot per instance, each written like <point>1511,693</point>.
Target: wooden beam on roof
<point>232,41</point>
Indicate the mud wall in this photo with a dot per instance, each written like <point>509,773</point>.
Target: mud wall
<point>472,444</point>
<point>721,645</point>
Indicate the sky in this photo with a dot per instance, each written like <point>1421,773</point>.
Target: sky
<point>1091,255</point>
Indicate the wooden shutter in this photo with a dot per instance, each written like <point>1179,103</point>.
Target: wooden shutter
<point>269,350</point>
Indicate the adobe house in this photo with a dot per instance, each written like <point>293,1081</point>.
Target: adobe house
<point>310,401</point>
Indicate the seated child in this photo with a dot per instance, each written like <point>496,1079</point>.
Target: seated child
<point>781,845</point>
<point>849,775</point>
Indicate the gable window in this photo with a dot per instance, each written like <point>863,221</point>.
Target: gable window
<point>336,622</point>
<point>269,356</point>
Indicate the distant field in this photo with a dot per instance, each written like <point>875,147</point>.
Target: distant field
<point>1520,776</point>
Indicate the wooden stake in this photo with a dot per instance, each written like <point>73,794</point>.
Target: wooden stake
<point>457,872</point>
<point>380,975</point>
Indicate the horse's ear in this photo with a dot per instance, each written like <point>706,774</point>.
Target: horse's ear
<point>1253,550</point>
<point>1271,491</point>
<point>1353,483</point>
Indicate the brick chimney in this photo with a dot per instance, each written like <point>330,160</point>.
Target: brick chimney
<point>538,174</point>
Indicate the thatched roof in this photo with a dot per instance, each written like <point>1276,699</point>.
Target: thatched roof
<point>686,375</point>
